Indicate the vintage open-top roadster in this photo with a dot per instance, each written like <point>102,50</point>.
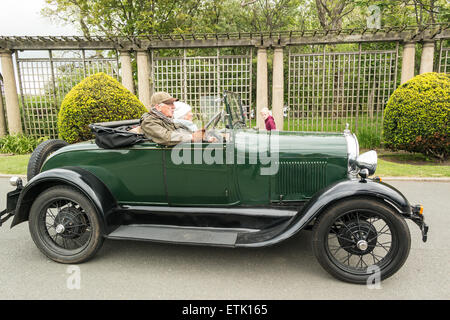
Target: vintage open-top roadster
<point>250,188</point>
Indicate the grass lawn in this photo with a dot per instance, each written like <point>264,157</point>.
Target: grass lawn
<point>406,164</point>
<point>390,164</point>
<point>16,164</point>
<point>392,169</point>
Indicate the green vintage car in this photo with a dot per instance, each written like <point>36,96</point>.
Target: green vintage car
<point>248,188</point>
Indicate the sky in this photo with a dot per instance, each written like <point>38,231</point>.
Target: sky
<point>23,18</point>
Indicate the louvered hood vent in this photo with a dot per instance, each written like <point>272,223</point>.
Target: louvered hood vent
<point>301,177</point>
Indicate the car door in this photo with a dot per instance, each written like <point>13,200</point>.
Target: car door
<point>198,174</point>
<point>142,175</point>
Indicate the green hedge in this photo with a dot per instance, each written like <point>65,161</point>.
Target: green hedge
<point>97,98</point>
<point>416,117</point>
<point>19,144</point>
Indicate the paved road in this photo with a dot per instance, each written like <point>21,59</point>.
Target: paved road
<point>142,270</point>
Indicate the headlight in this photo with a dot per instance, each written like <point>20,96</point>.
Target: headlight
<point>368,160</point>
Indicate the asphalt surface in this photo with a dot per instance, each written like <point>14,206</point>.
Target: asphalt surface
<point>145,270</point>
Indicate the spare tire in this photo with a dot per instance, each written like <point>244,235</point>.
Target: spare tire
<point>40,154</point>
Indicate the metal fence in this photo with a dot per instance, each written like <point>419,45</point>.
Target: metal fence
<point>328,89</point>
<point>44,82</point>
<point>444,60</point>
<point>200,80</point>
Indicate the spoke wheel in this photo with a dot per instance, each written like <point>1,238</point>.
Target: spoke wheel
<point>64,225</point>
<point>355,237</point>
<point>359,239</point>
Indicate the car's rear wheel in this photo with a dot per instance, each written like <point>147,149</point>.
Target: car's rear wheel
<point>41,153</point>
<point>65,225</point>
<point>361,239</point>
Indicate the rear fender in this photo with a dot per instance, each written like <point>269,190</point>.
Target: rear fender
<point>344,189</point>
<point>80,179</point>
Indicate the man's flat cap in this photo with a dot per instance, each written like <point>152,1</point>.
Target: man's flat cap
<point>161,97</point>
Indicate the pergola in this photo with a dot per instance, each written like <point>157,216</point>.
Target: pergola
<point>262,41</point>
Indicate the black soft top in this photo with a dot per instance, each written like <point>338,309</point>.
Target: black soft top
<point>116,134</point>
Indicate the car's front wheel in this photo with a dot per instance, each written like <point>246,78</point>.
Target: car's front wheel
<point>65,225</point>
<point>360,240</point>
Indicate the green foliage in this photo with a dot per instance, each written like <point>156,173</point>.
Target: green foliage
<point>137,17</point>
<point>369,137</point>
<point>19,144</point>
<point>97,98</point>
<point>416,117</point>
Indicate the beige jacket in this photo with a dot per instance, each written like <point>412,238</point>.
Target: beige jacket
<point>163,130</point>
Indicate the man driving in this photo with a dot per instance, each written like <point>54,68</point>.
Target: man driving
<point>158,123</point>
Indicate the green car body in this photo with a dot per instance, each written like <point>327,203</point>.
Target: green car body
<point>145,174</point>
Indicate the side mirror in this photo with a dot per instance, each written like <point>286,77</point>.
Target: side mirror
<point>367,160</point>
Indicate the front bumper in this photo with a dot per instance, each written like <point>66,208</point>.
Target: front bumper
<point>11,202</point>
<point>417,217</point>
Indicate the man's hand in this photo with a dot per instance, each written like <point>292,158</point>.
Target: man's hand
<point>198,135</point>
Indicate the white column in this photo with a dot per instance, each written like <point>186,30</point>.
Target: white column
<point>278,88</point>
<point>262,99</point>
<point>11,97</point>
<point>143,77</point>
<point>127,72</point>
<point>426,62</point>
<point>2,117</point>
<point>409,52</point>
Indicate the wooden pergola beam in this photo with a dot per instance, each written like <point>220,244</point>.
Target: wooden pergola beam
<point>284,38</point>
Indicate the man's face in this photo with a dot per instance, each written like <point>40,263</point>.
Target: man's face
<point>166,109</point>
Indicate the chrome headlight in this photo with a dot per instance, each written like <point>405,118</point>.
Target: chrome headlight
<point>15,181</point>
<point>368,160</point>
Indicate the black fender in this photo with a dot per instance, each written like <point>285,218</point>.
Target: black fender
<point>338,191</point>
<point>84,181</point>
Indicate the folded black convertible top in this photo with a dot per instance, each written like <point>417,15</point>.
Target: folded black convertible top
<point>116,134</point>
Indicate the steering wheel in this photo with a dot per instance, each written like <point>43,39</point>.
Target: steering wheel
<point>214,120</point>
<point>214,134</point>
<point>239,124</point>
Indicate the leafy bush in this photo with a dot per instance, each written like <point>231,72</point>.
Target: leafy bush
<point>368,138</point>
<point>19,144</point>
<point>416,117</point>
<point>97,98</point>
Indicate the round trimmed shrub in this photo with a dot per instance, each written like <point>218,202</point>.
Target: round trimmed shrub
<point>97,98</point>
<point>417,115</point>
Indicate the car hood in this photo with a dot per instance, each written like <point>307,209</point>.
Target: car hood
<point>293,142</point>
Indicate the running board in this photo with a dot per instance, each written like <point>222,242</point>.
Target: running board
<point>252,212</point>
<point>187,235</point>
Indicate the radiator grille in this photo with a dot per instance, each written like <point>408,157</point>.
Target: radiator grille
<point>301,177</point>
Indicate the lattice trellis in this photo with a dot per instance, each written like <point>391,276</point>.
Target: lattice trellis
<point>328,89</point>
<point>444,60</point>
<point>44,82</point>
<point>201,80</point>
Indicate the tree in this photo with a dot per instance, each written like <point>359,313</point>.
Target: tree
<point>125,17</point>
<point>270,15</point>
<point>332,12</point>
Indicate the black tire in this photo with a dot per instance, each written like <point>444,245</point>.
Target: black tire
<point>354,225</point>
<point>40,154</point>
<point>82,236</point>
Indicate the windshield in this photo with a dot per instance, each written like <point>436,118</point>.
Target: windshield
<point>210,106</point>
<point>234,107</point>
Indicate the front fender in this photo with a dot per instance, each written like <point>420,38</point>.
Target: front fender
<point>80,179</point>
<point>338,191</point>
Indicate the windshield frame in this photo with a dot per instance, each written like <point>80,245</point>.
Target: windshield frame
<point>231,115</point>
